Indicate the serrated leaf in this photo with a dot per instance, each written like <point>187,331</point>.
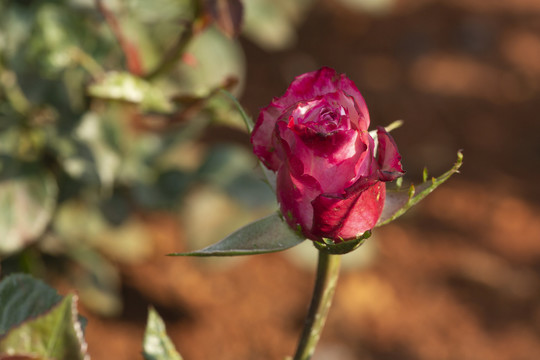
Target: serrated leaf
<point>270,234</point>
<point>127,87</point>
<point>156,343</point>
<point>23,297</point>
<point>27,202</point>
<point>399,201</point>
<point>57,334</point>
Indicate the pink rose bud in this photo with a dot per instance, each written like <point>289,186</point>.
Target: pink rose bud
<point>331,173</point>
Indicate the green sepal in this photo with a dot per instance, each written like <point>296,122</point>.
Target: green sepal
<point>269,234</point>
<point>399,201</point>
<point>343,247</point>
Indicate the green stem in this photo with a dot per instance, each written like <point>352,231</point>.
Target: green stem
<point>325,286</point>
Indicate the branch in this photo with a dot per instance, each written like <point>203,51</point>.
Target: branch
<point>163,123</point>
<point>130,51</point>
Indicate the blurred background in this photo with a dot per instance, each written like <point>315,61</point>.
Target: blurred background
<point>117,147</point>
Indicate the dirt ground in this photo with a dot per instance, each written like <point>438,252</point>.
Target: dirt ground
<point>456,278</point>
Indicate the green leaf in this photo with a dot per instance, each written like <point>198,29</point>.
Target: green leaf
<point>58,33</point>
<point>127,87</point>
<point>86,155</point>
<point>156,344</point>
<point>203,74</point>
<point>270,234</point>
<point>23,297</point>
<point>399,201</point>
<point>27,201</point>
<point>57,334</point>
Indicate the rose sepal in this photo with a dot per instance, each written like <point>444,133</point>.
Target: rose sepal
<point>343,247</point>
<point>398,201</point>
<point>266,235</point>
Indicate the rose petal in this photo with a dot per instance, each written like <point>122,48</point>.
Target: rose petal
<point>306,87</point>
<point>348,217</point>
<point>262,137</point>
<point>365,166</point>
<point>319,83</point>
<point>388,157</point>
<point>311,85</point>
<point>332,160</point>
<point>295,196</point>
<point>351,91</point>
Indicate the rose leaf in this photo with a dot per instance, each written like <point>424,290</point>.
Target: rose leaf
<point>269,234</point>
<point>399,201</point>
<point>156,344</point>
<point>28,200</point>
<point>24,297</point>
<point>56,334</point>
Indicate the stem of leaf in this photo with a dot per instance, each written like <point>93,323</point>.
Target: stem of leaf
<point>325,286</point>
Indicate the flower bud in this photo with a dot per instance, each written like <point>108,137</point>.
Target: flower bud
<point>331,172</point>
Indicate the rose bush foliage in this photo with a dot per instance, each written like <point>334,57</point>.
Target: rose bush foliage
<point>331,171</point>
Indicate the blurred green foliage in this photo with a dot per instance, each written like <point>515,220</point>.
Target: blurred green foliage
<point>103,105</point>
<point>98,99</point>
